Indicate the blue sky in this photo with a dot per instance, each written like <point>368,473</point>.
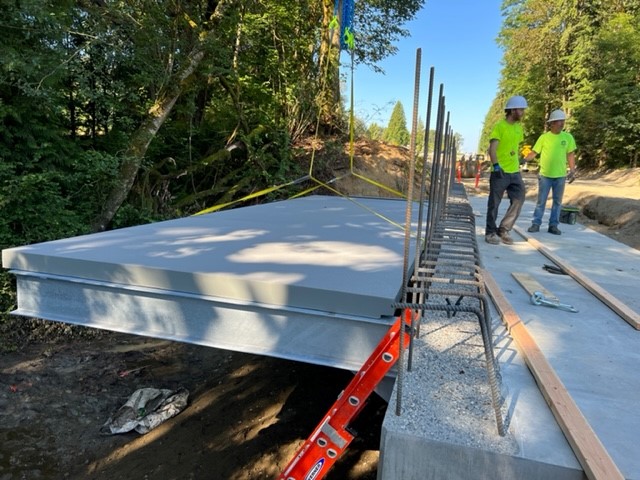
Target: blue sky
<point>457,38</point>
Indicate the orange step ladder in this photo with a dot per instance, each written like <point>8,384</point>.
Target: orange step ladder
<point>331,437</point>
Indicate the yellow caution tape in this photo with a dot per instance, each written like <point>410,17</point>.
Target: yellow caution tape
<point>349,38</point>
<point>251,195</point>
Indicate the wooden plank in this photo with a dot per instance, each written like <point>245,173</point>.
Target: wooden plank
<point>627,314</point>
<point>531,285</point>
<point>594,458</point>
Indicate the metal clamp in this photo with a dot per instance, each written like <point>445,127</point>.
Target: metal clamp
<point>538,298</point>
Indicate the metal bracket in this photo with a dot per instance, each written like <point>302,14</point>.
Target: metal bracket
<point>538,298</point>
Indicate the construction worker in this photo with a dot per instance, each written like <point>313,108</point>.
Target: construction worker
<point>556,149</point>
<point>504,142</point>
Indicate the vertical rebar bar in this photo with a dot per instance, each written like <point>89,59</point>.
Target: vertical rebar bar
<point>449,249</point>
<point>420,248</point>
<point>407,227</point>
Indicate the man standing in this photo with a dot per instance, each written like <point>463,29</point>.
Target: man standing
<point>504,141</point>
<point>556,148</point>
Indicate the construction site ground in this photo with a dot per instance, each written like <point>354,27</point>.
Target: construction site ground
<point>575,360</point>
<point>247,414</point>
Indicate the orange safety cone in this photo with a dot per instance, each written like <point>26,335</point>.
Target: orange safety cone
<point>458,173</point>
<point>477,174</point>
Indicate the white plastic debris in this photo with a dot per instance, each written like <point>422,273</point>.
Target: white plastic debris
<point>145,409</point>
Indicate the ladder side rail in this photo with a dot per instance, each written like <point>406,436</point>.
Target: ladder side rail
<point>331,437</point>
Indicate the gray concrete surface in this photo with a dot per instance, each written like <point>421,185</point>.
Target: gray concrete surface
<point>311,279</point>
<point>317,252</point>
<point>594,352</point>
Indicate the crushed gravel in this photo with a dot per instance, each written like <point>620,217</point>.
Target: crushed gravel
<point>446,396</point>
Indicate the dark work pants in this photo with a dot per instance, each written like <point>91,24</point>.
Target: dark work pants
<point>514,186</point>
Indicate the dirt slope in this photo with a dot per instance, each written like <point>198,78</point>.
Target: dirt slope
<point>610,204</point>
<point>609,201</point>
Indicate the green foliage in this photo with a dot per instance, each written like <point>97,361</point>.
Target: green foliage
<point>277,64</point>
<point>378,24</point>
<point>80,82</point>
<point>617,93</point>
<point>579,56</point>
<point>375,131</point>
<point>34,209</point>
<point>396,132</point>
<point>78,79</point>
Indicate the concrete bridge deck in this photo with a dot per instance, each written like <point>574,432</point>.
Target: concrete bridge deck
<point>311,279</point>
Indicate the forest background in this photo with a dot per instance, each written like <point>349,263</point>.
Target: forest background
<point>117,113</point>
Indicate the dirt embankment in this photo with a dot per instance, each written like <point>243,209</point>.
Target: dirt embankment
<point>609,202</point>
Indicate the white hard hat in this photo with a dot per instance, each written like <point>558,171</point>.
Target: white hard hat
<point>517,101</point>
<point>557,115</point>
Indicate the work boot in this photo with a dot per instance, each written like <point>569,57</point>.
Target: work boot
<point>555,230</point>
<point>492,238</point>
<point>506,238</point>
<point>533,228</point>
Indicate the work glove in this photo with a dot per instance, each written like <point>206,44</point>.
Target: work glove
<point>497,171</point>
<point>571,176</point>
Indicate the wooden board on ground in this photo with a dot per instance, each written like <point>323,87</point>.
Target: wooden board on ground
<point>589,450</point>
<point>531,285</point>
<point>624,311</point>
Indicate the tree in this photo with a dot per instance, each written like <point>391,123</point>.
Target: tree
<point>246,19</point>
<point>375,131</point>
<point>396,132</point>
<point>379,24</point>
<point>376,25</point>
<point>617,93</point>
<point>180,66</point>
<point>579,56</point>
<point>534,66</point>
<point>42,172</point>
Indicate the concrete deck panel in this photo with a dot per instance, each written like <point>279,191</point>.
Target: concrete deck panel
<point>594,352</point>
<point>310,279</point>
<point>324,253</point>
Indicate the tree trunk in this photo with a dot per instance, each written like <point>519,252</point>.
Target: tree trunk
<point>141,139</point>
<point>139,144</point>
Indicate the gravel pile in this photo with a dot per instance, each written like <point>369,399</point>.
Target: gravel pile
<point>446,396</point>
